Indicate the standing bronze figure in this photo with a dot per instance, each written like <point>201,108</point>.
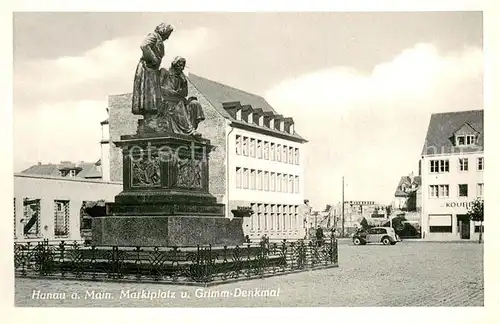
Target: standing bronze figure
<point>146,96</point>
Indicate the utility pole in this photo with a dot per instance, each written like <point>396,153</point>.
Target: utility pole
<point>343,206</point>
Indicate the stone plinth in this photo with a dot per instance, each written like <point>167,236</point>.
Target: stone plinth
<point>165,198</point>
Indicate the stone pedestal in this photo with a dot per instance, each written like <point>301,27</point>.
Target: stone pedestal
<point>165,198</point>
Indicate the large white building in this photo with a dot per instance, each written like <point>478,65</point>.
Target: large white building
<point>258,161</point>
<point>452,165</point>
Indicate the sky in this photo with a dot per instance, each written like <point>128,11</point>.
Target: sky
<point>360,86</point>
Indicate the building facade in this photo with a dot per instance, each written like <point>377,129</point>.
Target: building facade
<point>258,161</point>
<point>48,207</point>
<point>452,165</point>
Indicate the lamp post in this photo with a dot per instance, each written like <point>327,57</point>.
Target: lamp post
<point>343,233</point>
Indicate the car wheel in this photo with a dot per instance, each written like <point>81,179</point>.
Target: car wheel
<point>393,243</point>
<point>356,241</point>
<point>386,241</point>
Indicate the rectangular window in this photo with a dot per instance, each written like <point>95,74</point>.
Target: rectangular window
<point>285,154</point>
<point>277,221</point>
<point>278,182</point>
<point>255,208</point>
<point>480,164</point>
<point>440,223</point>
<point>290,183</point>
<point>272,153</point>
<point>245,146</point>
<point>296,156</point>
<point>266,216</point>
<point>253,179</point>
<point>238,178</point>
<point>273,182</point>
<point>296,186</point>
<point>439,191</point>
<point>285,223</point>
<point>284,185</point>
<point>259,149</point>
<point>245,178</point>
<point>461,140</point>
<point>238,144</point>
<point>471,139</point>
<point>463,164</point>
<point>266,181</point>
<point>439,166</point>
<point>259,218</point>
<point>252,147</point>
<point>259,180</point>
<point>480,189</point>
<point>31,217</point>
<point>463,190</point>
<point>479,229</point>
<point>290,155</point>
<point>272,217</point>
<point>61,218</point>
<point>266,151</point>
<point>278,153</point>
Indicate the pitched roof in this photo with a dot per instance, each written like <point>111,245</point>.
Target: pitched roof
<point>219,94</point>
<point>407,181</point>
<point>85,169</point>
<point>442,126</point>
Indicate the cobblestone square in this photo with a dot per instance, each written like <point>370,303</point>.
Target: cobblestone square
<point>407,274</point>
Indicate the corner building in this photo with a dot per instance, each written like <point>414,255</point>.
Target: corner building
<point>257,162</point>
<point>452,165</point>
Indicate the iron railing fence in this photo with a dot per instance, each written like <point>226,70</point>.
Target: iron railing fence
<point>202,264</point>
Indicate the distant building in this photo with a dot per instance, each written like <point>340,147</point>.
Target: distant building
<point>82,170</point>
<point>48,207</point>
<point>407,196</point>
<point>355,211</point>
<point>452,165</point>
<point>258,161</point>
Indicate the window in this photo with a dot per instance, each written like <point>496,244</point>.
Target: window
<point>290,184</point>
<point>253,179</point>
<point>259,180</point>
<point>439,191</point>
<point>245,146</point>
<point>278,182</point>
<point>273,182</point>
<point>285,224</point>
<point>259,216</point>
<point>278,153</point>
<point>245,178</point>
<point>463,190</point>
<point>285,154</point>
<point>463,164</point>
<point>266,213</point>
<point>480,189</point>
<point>238,178</point>
<point>461,140</point>
<point>470,139</point>
<point>238,144</point>
<point>440,166</point>
<point>72,173</point>
<point>480,164</point>
<point>278,222</point>
<point>31,217</point>
<point>290,155</point>
<point>255,208</point>
<point>296,186</point>
<point>259,149</point>
<point>252,147</point>
<point>266,181</point>
<point>61,218</point>
<point>273,216</point>
<point>272,152</point>
<point>440,223</point>
<point>266,150</point>
<point>296,156</point>
<point>479,229</point>
<point>284,183</point>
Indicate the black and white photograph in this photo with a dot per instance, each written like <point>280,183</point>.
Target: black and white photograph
<point>248,159</point>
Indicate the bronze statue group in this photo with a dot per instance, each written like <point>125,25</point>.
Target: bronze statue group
<point>160,95</point>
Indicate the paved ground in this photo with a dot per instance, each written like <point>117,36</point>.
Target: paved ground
<point>407,274</point>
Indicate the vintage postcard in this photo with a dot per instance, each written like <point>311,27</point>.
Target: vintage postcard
<point>270,159</point>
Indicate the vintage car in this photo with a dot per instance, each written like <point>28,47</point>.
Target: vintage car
<point>384,235</point>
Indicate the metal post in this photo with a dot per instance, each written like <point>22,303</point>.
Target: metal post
<point>343,233</point>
